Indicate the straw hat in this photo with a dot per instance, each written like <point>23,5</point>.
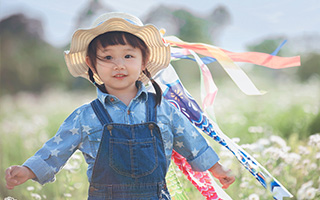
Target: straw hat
<point>115,21</point>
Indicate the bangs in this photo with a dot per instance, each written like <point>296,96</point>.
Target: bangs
<point>120,38</point>
<point>117,38</point>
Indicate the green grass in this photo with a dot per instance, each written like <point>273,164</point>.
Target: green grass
<point>284,114</point>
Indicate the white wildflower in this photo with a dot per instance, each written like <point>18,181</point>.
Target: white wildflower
<point>310,193</point>
<point>236,140</point>
<point>306,162</point>
<point>313,166</point>
<point>255,129</point>
<point>314,140</point>
<point>274,152</point>
<point>36,196</point>
<point>30,188</point>
<point>292,158</point>
<point>303,150</point>
<point>78,185</point>
<point>263,142</point>
<point>278,140</point>
<point>67,195</point>
<point>246,146</point>
<point>251,147</point>
<point>317,155</point>
<point>301,194</point>
<point>256,155</point>
<point>286,149</point>
<point>69,167</point>
<point>254,197</point>
<point>9,198</point>
<point>76,156</point>
<point>244,184</point>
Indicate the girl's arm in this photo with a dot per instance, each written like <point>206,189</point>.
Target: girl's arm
<point>48,160</point>
<point>192,145</point>
<point>222,174</point>
<point>16,175</point>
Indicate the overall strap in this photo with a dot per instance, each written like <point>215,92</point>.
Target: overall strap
<point>150,108</point>
<point>101,112</point>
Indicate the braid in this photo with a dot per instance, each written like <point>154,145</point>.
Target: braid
<point>155,86</point>
<point>101,87</point>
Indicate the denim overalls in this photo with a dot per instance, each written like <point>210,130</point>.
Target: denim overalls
<point>131,161</point>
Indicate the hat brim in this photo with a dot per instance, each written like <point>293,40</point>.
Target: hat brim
<point>159,51</point>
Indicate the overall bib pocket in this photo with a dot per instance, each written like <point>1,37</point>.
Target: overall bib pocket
<point>140,155</point>
<point>94,138</point>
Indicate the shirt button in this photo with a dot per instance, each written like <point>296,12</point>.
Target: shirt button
<point>112,99</point>
<point>128,112</point>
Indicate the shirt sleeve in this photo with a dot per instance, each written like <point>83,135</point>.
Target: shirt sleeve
<point>55,152</point>
<point>190,143</point>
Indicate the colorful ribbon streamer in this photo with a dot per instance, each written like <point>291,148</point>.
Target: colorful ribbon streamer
<point>227,59</point>
<point>175,93</point>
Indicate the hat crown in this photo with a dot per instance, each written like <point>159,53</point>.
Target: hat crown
<point>107,16</point>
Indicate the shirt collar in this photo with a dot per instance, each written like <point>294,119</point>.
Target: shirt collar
<point>141,94</point>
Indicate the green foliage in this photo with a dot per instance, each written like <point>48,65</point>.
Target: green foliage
<point>268,46</point>
<point>192,29</point>
<point>314,126</point>
<point>27,62</point>
<point>310,66</point>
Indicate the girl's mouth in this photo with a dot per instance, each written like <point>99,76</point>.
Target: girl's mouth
<point>120,75</point>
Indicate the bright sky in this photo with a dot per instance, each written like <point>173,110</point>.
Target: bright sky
<point>251,20</point>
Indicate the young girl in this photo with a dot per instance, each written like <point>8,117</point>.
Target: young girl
<point>127,134</point>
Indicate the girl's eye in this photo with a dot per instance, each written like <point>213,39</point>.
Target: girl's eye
<point>108,57</point>
<point>128,56</point>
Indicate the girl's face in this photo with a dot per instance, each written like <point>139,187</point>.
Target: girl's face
<point>119,67</point>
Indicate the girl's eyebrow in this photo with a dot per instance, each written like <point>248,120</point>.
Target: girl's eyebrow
<point>106,49</point>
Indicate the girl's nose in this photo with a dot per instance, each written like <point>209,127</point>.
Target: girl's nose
<point>119,63</point>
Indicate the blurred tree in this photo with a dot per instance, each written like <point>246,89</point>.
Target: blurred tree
<point>314,126</point>
<point>27,61</point>
<point>187,25</point>
<point>162,18</point>
<point>310,66</point>
<point>191,28</point>
<point>218,20</point>
<point>90,12</point>
<point>269,45</point>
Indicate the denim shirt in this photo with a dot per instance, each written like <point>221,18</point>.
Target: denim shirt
<point>82,131</point>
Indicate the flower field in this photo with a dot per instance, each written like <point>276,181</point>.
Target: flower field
<point>274,128</point>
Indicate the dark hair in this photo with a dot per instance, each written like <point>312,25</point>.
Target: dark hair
<point>121,38</point>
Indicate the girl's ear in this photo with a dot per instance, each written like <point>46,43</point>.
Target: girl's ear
<point>143,67</point>
<point>144,64</point>
<point>88,62</point>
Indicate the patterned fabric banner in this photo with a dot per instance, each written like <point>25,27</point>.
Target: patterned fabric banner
<point>172,87</point>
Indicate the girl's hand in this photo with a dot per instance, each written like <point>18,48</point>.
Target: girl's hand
<point>223,175</point>
<point>16,175</point>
